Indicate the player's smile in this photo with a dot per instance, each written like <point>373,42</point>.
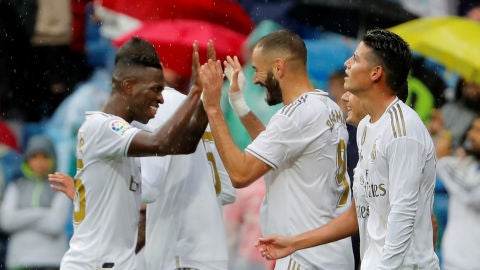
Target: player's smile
<point>152,110</point>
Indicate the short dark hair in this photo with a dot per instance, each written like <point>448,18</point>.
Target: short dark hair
<point>286,40</point>
<point>138,52</point>
<point>394,55</point>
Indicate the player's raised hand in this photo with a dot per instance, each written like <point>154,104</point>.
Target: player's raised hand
<point>275,247</point>
<point>195,82</point>
<point>211,75</point>
<point>211,53</point>
<point>63,183</point>
<point>233,65</point>
<point>233,71</point>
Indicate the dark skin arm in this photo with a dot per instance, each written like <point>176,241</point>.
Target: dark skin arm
<point>141,229</point>
<point>182,132</point>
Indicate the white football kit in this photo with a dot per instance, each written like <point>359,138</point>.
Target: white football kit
<point>361,206</point>
<point>184,226</point>
<point>461,177</point>
<point>107,199</point>
<point>397,172</point>
<point>305,144</point>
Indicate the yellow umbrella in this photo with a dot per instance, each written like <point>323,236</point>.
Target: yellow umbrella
<point>451,41</point>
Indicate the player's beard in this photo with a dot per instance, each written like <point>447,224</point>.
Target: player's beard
<point>274,92</point>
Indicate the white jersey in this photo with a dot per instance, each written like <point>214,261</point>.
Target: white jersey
<point>305,144</point>
<point>361,207</point>
<point>184,226</point>
<point>397,171</point>
<point>107,199</point>
<point>461,177</point>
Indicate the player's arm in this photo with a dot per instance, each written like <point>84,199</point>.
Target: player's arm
<point>234,73</point>
<point>276,247</point>
<point>243,168</point>
<point>405,176</point>
<point>142,222</point>
<point>182,132</point>
<point>435,231</point>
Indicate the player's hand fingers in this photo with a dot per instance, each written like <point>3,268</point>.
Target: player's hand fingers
<point>211,53</point>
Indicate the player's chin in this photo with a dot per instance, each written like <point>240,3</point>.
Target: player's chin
<point>145,119</point>
<point>349,119</point>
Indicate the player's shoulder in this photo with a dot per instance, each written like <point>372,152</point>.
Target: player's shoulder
<point>96,121</point>
<point>403,121</point>
<point>305,104</point>
<point>98,117</point>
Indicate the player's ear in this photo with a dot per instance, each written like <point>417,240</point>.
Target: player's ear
<point>376,73</point>
<point>279,67</point>
<point>127,86</point>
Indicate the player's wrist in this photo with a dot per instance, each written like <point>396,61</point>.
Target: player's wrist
<point>238,103</point>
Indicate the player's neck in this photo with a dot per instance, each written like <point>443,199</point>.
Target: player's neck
<point>116,105</point>
<point>294,89</point>
<point>377,105</point>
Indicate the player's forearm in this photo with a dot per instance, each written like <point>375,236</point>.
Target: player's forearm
<point>404,185</point>
<point>232,157</point>
<point>193,131</point>
<point>182,132</point>
<point>397,239</point>
<point>252,124</point>
<point>338,228</point>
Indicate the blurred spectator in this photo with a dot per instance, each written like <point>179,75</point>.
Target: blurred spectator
<point>54,68</point>
<point>458,115</point>
<point>10,161</point>
<point>242,223</point>
<point>33,213</point>
<point>49,64</point>
<point>461,177</point>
